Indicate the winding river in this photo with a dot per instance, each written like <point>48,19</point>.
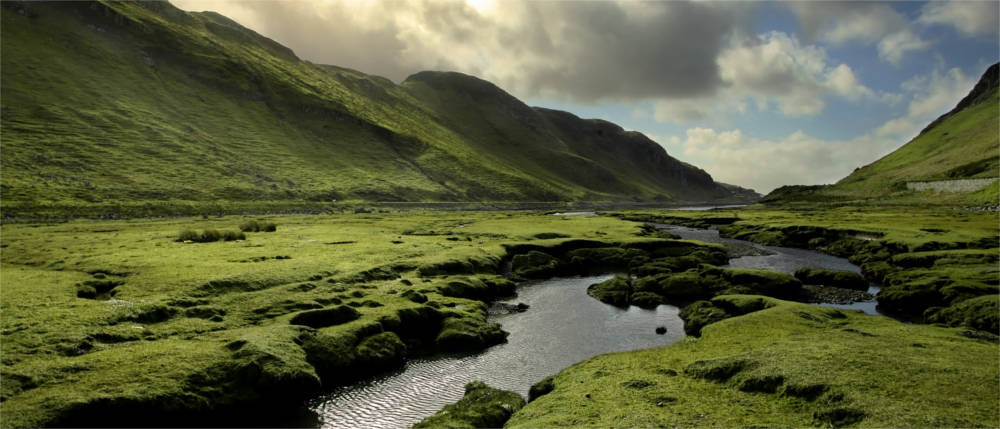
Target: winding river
<point>563,326</point>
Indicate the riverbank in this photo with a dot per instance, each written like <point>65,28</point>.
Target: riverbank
<point>935,265</point>
<point>789,364</point>
<point>120,323</point>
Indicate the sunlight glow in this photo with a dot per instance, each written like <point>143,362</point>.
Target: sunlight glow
<point>484,7</point>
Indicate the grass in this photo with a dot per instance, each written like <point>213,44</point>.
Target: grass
<point>786,365</point>
<point>325,299</point>
<point>927,259</point>
<point>481,407</point>
<point>311,304</point>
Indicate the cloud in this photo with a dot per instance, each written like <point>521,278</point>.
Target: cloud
<point>731,156</point>
<point>842,81</point>
<point>869,23</point>
<point>932,95</point>
<point>776,67</point>
<point>894,46</point>
<point>970,18</point>
<point>772,69</point>
<point>576,51</point>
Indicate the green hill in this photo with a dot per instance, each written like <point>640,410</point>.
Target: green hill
<point>961,144</point>
<point>111,104</point>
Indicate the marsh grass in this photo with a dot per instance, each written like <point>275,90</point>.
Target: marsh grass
<point>255,226</point>
<point>189,317</point>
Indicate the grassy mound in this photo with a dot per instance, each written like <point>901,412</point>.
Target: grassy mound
<point>481,407</point>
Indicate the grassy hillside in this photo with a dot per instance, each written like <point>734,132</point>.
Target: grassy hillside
<point>962,144</point>
<point>114,103</point>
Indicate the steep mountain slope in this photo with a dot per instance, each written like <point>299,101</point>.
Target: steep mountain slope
<point>107,103</point>
<point>961,144</point>
<point>557,145</point>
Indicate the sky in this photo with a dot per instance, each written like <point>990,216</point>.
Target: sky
<point>759,94</point>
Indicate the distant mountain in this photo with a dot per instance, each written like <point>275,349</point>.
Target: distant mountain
<point>108,103</point>
<point>961,144</point>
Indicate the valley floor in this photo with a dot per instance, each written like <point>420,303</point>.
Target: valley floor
<point>117,322</point>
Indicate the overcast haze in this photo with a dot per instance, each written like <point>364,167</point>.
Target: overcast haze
<point>758,94</point>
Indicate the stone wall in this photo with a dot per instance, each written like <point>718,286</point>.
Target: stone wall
<point>963,185</point>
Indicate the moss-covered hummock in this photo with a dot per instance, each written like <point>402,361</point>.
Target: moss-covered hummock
<point>833,278</point>
<point>683,288</point>
<point>481,407</point>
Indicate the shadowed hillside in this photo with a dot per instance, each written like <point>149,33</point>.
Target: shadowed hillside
<point>127,103</point>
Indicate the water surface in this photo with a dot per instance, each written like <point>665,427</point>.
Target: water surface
<point>563,326</point>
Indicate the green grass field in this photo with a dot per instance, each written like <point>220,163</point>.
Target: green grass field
<point>177,328</point>
<point>184,320</point>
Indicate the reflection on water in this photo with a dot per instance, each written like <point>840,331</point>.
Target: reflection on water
<point>563,326</point>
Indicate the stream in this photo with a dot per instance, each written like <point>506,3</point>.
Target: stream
<point>563,326</point>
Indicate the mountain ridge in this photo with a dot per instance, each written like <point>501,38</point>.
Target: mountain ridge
<point>125,103</point>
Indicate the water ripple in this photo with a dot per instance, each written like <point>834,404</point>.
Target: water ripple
<point>563,326</point>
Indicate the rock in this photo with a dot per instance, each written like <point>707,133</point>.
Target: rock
<point>833,295</point>
<point>499,308</point>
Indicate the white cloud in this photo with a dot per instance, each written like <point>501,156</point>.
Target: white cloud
<point>862,22</point>
<point>710,109</point>
<point>938,92</point>
<point>971,18</point>
<point>732,156</point>
<point>894,46</point>
<point>772,70</point>
<point>843,82</point>
<point>869,23</point>
<point>775,67</point>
